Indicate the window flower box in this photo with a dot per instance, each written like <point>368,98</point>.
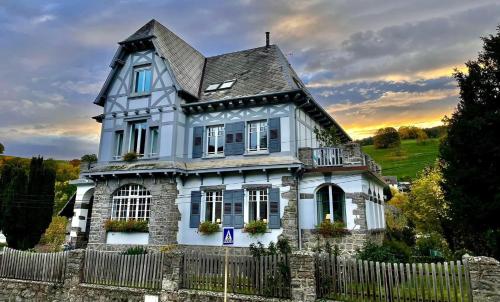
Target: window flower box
<point>256,227</point>
<point>127,232</point>
<point>208,228</point>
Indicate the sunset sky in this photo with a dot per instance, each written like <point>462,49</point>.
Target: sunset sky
<point>370,63</point>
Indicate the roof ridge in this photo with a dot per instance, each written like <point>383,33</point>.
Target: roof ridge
<point>243,50</point>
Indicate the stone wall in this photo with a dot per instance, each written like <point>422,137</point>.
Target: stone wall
<point>347,244</point>
<point>289,221</point>
<point>485,278</point>
<point>164,216</point>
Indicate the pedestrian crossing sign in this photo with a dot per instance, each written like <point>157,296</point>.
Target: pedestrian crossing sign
<point>228,236</point>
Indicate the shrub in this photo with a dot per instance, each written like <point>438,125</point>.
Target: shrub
<point>208,227</point>
<point>401,251</point>
<point>374,252</point>
<point>130,157</point>
<point>422,137</point>
<point>55,234</point>
<point>136,250</point>
<point>432,245</point>
<point>256,227</point>
<point>386,138</point>
<point>127,226</point>
<point>332,230</point>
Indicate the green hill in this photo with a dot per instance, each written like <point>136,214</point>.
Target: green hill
<point>406,161</point>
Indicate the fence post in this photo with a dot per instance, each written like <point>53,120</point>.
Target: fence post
<point>303,280</point>
<point>484,278</point>
<point>73,269</point>
<point>172,270</point>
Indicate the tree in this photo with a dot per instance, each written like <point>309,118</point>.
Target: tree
<point>27,202</point>
<point>386,138</point>
<point>408,132</point>
<point>421,136</point>
<point>2,148</point>
<point>471,153</point>
<point>89,158</point>
<point>327,137</point>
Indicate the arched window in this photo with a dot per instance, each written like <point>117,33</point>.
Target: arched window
<point>131,202</point>
<point>330,199</point>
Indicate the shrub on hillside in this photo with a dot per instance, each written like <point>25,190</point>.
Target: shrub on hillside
<point>386,138</point>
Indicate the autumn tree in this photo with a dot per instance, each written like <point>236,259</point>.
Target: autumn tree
<point>471,153</point>
<point>386,138</point>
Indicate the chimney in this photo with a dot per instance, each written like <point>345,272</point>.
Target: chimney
<point>267,39</point>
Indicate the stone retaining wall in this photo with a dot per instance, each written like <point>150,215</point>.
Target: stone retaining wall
<point>485,278</point>
<point>347,244</point>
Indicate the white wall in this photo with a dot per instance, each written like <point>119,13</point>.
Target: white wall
<point>190,236</point>
<point>375,212</point>
<point>305,130</point>
<point>84,191</point>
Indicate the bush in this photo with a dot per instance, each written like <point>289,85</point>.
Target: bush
<point>127,226</point>
<point>401,251</point>
<point>256,227</point>
<point>208,227</point>
<point>332,230</point>
<point>136,250</point>
<point>422,137</point>
<point>130,157</point>
<point>432,245</point>
<point>386,138</point>
<point>374,252</point>
<point>55,234</point>
<point>89,158</point>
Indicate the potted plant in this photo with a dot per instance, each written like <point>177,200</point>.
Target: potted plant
<point>208,227</point>
<point>127,231</point>
<point>332,230</point>
<point>256,227</point>
<point>130,157</point>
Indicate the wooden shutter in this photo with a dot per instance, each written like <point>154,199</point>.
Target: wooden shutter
<point>274,135</point>
<point>238,204</point>
<point>274,208</point>
<point>194,218</point>
<point>235,138</point>
<point>197,142</point>
<point>227,211</point>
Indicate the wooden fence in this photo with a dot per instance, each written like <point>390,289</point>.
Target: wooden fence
<point>48,267</point>
<point>266,276</point>
<point>116,269</point>
<point>349,279</point>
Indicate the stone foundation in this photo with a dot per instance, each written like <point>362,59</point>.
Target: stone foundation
<point>347,244</point>
<point>485,278</point>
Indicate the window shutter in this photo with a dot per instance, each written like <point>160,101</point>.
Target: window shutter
<point>227,214</point>
<point>274,208</point>
<point>198,142</point>
<point>274,135</point>
<point>235,138</point>
<point>194,219</point>
<point>238,203</point>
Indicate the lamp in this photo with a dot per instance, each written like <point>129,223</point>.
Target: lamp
<point>265,220</point>
<point>217,221</point>
<point>327,216</point>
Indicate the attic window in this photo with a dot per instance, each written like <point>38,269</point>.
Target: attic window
<point>212,87</point>
<point>227,84</point>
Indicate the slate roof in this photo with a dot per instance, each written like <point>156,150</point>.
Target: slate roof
<point>186,62</point>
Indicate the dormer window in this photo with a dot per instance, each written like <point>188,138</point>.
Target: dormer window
<point>142,80</point>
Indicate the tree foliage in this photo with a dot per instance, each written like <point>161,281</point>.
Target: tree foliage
<point>55,234</point>
<point>26,199</point>
<point>386,138</point>
<point>327,137</point>
<point>89,158</point>
<point>2,148</point>
<point>471,152</point>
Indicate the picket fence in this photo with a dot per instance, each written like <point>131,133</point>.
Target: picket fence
<point>116,269</point>
<point>266,276</point>
<point>48,267</point>
<point>348,279</point>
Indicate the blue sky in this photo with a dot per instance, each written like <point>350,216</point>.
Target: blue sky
<point>370,64</point>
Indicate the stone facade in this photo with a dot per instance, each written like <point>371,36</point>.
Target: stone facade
<point>303,282</point>
<point>359,199</point>
<point>485,278</point>
<point>348,244</point>
<point>289,220</point>
<point>164,216</point>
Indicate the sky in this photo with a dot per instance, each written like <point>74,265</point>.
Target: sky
<point>371,64</point>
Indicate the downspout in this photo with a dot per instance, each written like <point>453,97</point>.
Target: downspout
<point>297,178</point>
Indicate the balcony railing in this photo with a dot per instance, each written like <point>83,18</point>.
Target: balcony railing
<point>346,155</point>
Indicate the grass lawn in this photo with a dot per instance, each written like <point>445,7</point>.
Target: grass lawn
<point>407,161</point>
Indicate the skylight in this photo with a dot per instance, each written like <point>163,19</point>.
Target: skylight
<point>212,87</point>
<point>227,84</point>
<point>219,86</point>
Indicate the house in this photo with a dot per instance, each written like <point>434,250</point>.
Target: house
<point>227,139</point>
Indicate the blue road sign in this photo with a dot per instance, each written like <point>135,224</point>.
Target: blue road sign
<point>228,236</point>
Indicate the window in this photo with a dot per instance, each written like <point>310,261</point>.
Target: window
<point>118,145</point>
<point>137,140</point>
<point>215,140</point>
<point>212,87</point>
<point>213,206</point>
<point>219,86</point>
<point>258,205</point>
<point>153,138</point>
<point>131,202</point>
<point>257,136</point>
<point>142,80</point>
<point>227,84</point>
<point>330,199</point>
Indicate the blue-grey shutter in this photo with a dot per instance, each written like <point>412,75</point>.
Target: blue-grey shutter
<point>235,138</point>
<point>197,142</point>
<point>274,208</point>
<point>238,204</point>
<point>274,135</point>
<point>227,211</point>
<point>194,219</point>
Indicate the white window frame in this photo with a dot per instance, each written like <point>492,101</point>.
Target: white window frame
<point>139,137</point>
<point>129,196</point>
<point>138,69</point>
<point>258,195</point>
<point>118,150</point>
<point>258,129</point>
<point>211,197</point>
<point>151,129</point>
<point>219,132</point>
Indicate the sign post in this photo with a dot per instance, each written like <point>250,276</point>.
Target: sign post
<point>227,240</point>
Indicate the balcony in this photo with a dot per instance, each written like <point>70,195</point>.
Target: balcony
<point>343,156</point>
